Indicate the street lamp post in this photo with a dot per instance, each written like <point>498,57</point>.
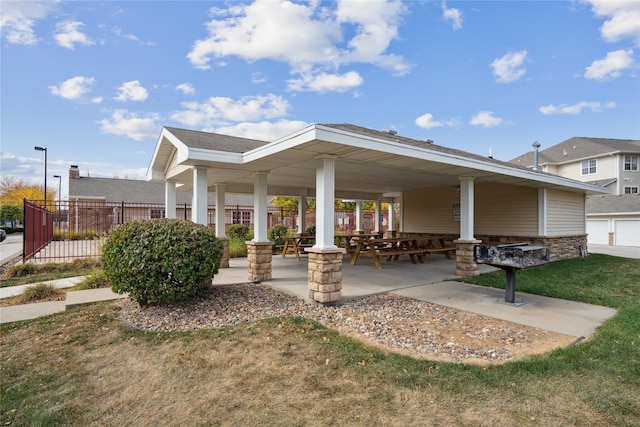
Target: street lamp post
<point>45,172</point>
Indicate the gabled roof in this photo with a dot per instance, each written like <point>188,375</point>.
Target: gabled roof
<point>368,163</point>
<point>579,148</point>
<point>613,204</point>
<point>135,191</point>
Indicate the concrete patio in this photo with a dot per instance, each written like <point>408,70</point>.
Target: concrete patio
<point>432,282</point>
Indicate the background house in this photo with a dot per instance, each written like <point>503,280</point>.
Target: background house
<point>610,163</point>
<point>109,201</point>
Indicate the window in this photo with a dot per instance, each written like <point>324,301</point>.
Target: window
<point>631,163</point>
<point>157,213</point>
<point>242,217</point>
<point>630,190</point>
<point>589,167</point>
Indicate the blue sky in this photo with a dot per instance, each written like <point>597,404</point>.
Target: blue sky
<point>94,81</point>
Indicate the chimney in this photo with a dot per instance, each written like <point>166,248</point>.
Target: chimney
<point>536,166</point>
<point>74,172</point>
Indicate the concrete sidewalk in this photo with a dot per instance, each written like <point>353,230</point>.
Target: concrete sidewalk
<point>431,281</point>
<point>16,313</point>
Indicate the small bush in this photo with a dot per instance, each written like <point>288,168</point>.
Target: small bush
<point>39,292</point>
<point>238,231</point>
<point>237,248</point>
<point>21,270</point>
<point>161,260</point>
<point>311,230</point>
<point>94,281</point>
<point>277,234</point>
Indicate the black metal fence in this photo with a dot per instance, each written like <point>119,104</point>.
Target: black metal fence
<point>69,229</point>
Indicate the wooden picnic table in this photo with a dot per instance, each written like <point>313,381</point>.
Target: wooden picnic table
<point>349,241</point>
<point>432,244</point>
<point>387,248</point>
<point>296,245</point>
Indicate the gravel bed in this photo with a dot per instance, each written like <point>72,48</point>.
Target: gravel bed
<point>400,324</point>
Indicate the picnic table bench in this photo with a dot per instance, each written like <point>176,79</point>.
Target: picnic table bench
<point>386,248</point>
<point>296,245</point>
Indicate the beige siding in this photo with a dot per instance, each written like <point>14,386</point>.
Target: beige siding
<point>606,169</point>
<point>506,209</point>
<point>499,209</point>
<point>565,213</point>
<point>430,210</point>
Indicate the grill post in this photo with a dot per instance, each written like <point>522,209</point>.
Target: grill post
<point>510,286</point>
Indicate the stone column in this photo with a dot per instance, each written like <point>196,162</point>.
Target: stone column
<point>465,265</point>
<point>325,275</point>
<point>259,258</point>
<point>224,261</point>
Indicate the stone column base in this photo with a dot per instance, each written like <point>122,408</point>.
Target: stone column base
<point>224,262</point>
<point>465,265</point>
<point>325,275</point>
<point>259,259</point>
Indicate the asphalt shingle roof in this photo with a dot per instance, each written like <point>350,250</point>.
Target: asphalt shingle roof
<point>214,141</point>
<point>579,148</point>
<point>613,203</point>
<point>135,191</point>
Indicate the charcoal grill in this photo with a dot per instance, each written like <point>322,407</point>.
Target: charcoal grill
<point>511,257</point>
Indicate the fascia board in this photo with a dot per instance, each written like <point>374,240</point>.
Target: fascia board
<point>347,138</point>
<point>305,135</point>
<point>196,155</point>
<point>178,145</point>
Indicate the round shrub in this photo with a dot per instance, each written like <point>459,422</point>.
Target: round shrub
<point>161,260</point>
<point>277,234</point>
<point>238,231</point>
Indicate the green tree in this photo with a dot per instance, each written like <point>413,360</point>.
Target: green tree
<point>10,212</point>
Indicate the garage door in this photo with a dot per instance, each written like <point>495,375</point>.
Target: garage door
<point>627,233</point>
<point>598,232</point>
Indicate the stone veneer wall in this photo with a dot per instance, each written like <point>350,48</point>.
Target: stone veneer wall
<point>560,247</point>
<point>259,257</point>
<point>325,275</point>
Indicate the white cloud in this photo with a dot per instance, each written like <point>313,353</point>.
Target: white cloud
<point>74,88</point>
<point>68,34</point>
<point>132,91</point>
<point>19,17</point>
<point>258,78</point>
<point>453,15</point>
<point>595,107</point>
<point>265,131</point>
<point>623,19</point>
<point>426,121</point>
<point>219,111</point>
<point>186,88</point>
<point>509,68</point>
<point>485,119</point>
<point>611,66</point>
<point>126,123</point>
<point>310,37</point>
<point>128,36</point>
<point>325,82</point>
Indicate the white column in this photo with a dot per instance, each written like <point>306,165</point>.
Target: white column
<point>302,213</point>
<point>376,221</point>
<point>466,208</point>
<point>358,215</point>
<point>220,211</point>
<point>260,207</point>
<point>170,199</point>
<point>199,203</point>
<point>391,216</point>
<point>542,212</point>
<point>325,195</point>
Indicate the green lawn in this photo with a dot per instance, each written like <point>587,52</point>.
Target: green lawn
<point>85,367</point>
